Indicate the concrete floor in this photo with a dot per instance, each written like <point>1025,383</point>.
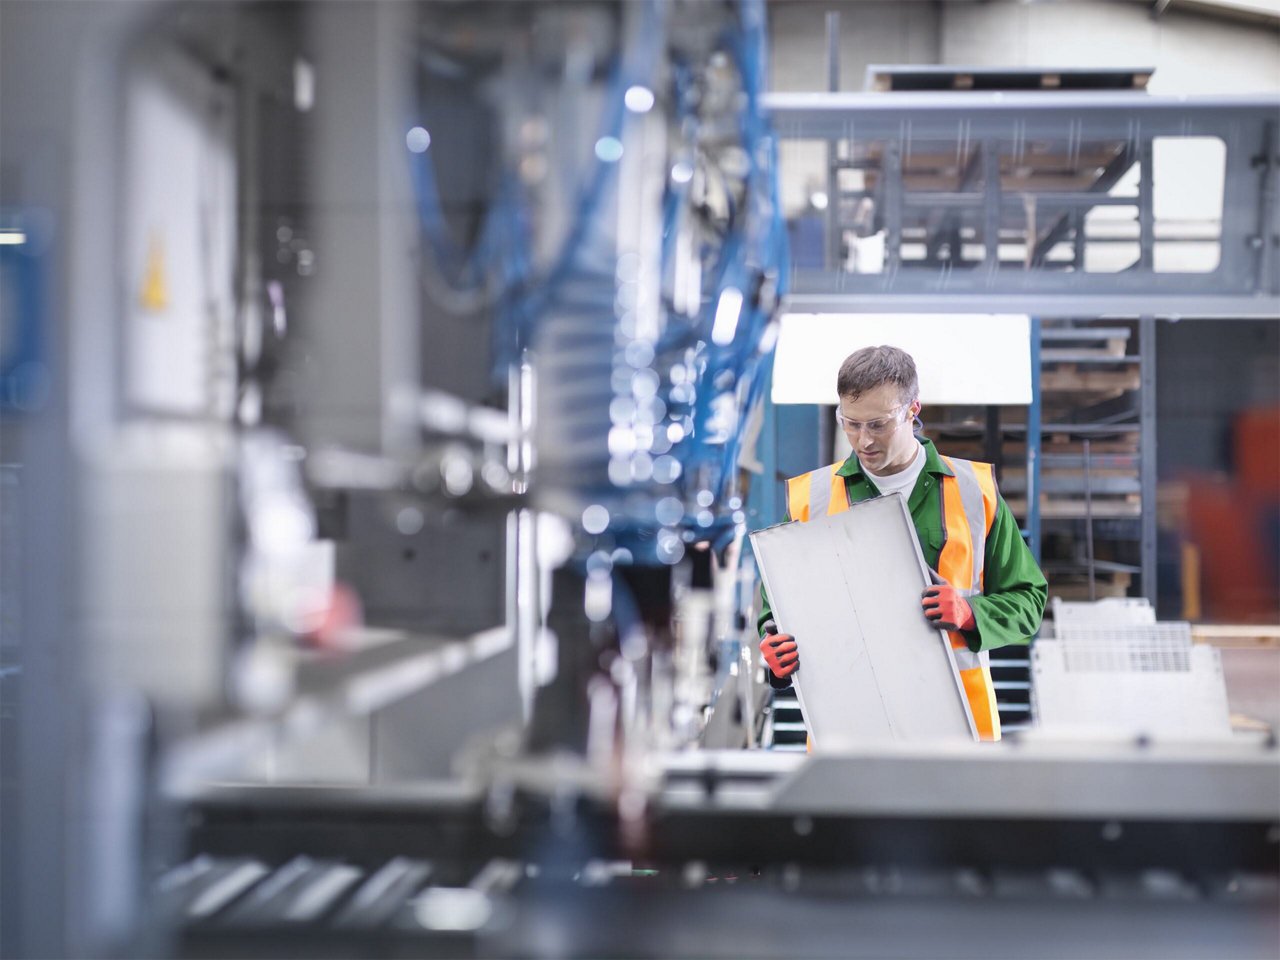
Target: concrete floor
<point>1253,682</point>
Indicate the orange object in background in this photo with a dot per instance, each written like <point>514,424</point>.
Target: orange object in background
<point>1256,452</point>
<point>1237,578</point>
<point>1235,525</point>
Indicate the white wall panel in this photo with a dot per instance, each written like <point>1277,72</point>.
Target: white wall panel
<point>961,359</point>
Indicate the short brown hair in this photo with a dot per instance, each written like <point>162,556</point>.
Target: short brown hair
<point>870,367</point>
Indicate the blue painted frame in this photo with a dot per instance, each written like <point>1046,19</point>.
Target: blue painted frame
<point>22,371</point>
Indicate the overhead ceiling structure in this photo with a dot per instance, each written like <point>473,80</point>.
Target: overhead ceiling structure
<point>1070,203</point>
<point>1264,11</point>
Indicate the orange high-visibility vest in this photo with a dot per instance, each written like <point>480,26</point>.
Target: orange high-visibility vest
<point>968,510</point>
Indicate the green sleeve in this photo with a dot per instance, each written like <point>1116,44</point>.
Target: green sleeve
<point>766,614</point>
<point>778,683</point>
<point>766,611</point>
<point>1014,590</point>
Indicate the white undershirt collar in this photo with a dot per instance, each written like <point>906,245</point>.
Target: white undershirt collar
<point>904,481</point>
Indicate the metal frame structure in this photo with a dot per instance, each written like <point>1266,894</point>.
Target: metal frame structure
<point>1031,528</point>
<point>1147,453</point>
<point>1026,168</point>
<point>1134,416</point>
<point>990,179</point>
<point>1013,157</point>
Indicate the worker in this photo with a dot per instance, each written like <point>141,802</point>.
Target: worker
<point>991,592</point>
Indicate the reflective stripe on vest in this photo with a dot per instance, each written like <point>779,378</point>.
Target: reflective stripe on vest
<point>819,493</point>
<point>968,510</point>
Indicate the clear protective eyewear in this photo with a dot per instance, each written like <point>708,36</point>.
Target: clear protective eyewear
<point>875,428</point>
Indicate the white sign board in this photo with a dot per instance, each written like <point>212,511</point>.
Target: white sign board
<point>961,358</point>
<point>179,244</point>
<point>848,587</point>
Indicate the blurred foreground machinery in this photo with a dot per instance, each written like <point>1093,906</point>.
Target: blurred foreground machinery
<point>418,419</point>
<point>503,286</point>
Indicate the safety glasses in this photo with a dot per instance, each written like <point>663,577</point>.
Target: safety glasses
<point>876,428</point>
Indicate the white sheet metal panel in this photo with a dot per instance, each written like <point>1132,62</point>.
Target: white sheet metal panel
<point>871,668</point>
<point>961,358</point>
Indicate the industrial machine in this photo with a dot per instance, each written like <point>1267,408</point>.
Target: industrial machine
<point>394,472</point>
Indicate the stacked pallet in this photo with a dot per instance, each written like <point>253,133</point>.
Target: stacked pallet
<point>1101,482</point>
<point>1082,477</point>
<point>1090,457</point>
<point>1110,579</point>
<point>1089,465</point>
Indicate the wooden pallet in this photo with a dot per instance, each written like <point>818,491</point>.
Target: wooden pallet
<point>1073,378</point>
<point>1114,507</point>
<point>1067,443</point>
<point>1104,585</point>
<point>1129,472</point>
<point>1110,347</point>
<point>1244,635</point>
<point>1065,481</point>
<point>1016,453</point>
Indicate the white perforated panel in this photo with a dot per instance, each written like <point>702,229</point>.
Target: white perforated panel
<point>1111,611</point>
<point>1151,686</point>
<point>1177,632</point>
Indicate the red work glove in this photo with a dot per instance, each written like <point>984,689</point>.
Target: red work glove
<point>946,609</point>
<point>780,652</point>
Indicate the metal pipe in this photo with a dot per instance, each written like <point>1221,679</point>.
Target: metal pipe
<point>991,200</point>
<point>1147,451</point>
<point>1267,240</point>
<point>833,50</point>
<point>1013,198</point>
<point>893,206</point>
<point>1088,521</point>
<point>1117,108</point>
<point>833,232</point>
<point>1034,441</point>
<point>1146,207</point>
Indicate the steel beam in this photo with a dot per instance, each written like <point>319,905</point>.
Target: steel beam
<point>1147,452</point>
<point>1034,442</point>
<point>1106,115</point>
<point>1146,208</point>
<point>1244,283</point>
<point>879,297</point>
<point>834,235</point>
<point>1113,172</point>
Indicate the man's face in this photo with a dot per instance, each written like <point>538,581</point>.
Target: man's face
<point>878,425</point>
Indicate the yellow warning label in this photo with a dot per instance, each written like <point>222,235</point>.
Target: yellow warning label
<point>155,288</point>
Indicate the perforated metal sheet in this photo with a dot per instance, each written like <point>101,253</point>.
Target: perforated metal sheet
<point>871,667</point>
<point>1151,686</point>
<point>1176,632</point>
<point>1111,611</point>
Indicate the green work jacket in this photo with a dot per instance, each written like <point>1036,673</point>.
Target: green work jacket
<point>1014,590</point>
